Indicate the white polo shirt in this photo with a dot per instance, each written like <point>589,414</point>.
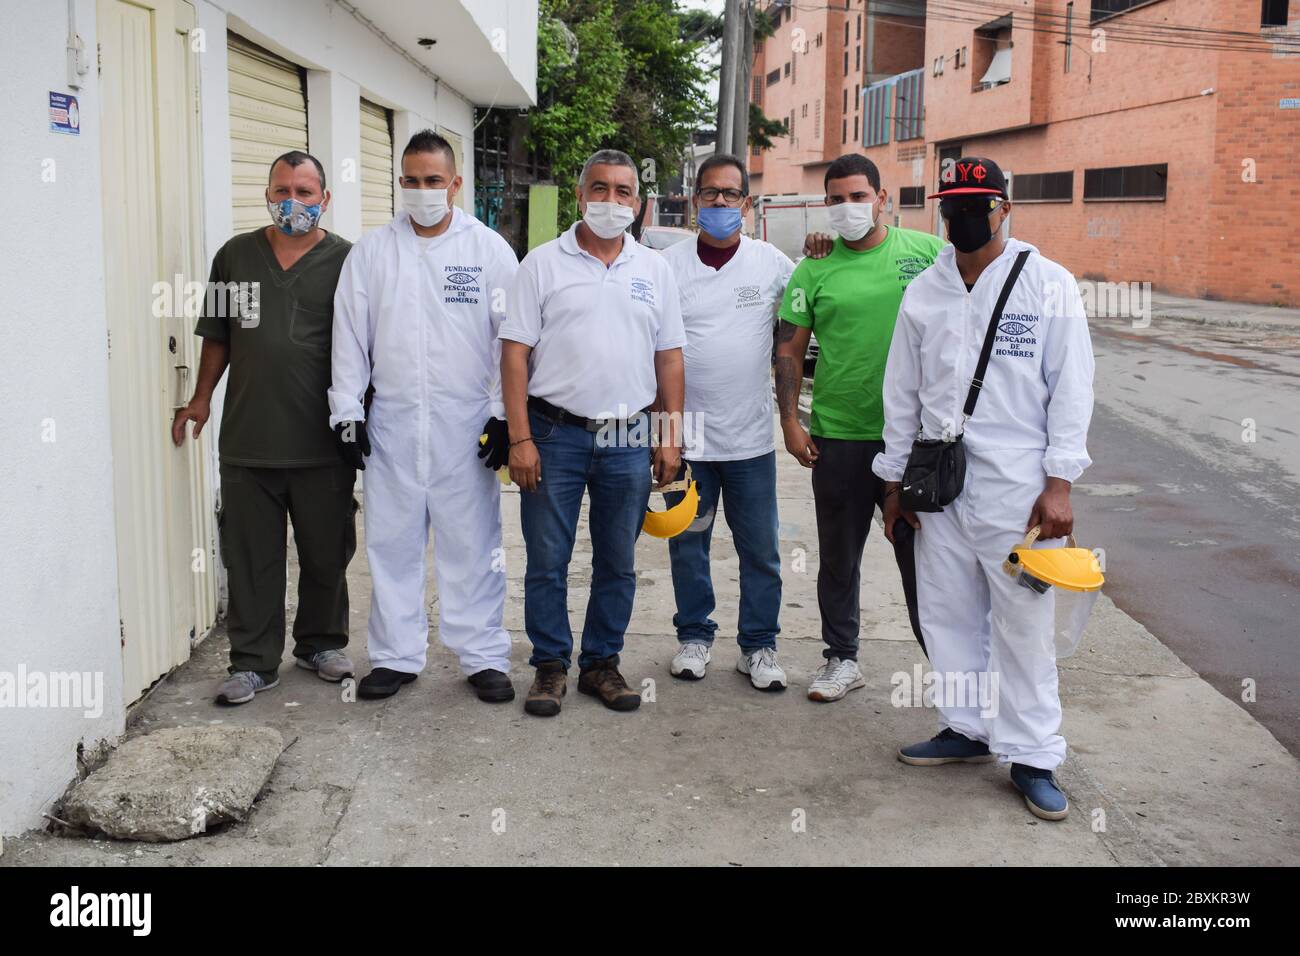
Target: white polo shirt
<point>594,330</point>
<point>729,314</point>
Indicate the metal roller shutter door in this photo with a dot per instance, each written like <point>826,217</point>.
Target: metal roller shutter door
<point>268,116</point>
<point>376,166</point>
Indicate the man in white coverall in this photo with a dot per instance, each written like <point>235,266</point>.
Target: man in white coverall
<point>416,316</point>
<point>1026,443</point>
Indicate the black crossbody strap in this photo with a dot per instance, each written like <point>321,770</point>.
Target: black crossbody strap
<point>978,381</point>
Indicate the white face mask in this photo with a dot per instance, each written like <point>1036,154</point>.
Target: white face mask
<point>852,220</point>
<point>608,219</point>
<point>428,207</point>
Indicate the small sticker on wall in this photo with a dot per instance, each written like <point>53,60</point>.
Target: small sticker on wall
<point>65,115</point>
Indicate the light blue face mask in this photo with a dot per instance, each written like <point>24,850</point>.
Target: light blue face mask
<point>292,217</point>
<point>720,222</point>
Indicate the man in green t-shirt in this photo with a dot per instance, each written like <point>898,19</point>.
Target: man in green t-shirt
<point>269,316</point>
<point>850,300</point>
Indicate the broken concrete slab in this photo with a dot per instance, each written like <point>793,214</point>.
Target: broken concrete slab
<point>175,784</point>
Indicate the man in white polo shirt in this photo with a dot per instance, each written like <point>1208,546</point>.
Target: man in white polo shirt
<point>593,337</point>
<point>730,288</point>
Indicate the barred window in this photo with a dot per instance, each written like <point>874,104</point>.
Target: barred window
<point>1043,187</point>
<point>910,197</point>
<point>1126,182</point>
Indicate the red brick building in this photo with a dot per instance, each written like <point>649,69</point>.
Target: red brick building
<point>1146,140</point>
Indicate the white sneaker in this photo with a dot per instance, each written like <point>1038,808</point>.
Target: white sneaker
<point>835,679</point>
<point>763,670</point>
<point>690,661</point>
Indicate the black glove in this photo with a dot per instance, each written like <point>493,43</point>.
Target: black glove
<point>353,442</point>
<point>495,452</point>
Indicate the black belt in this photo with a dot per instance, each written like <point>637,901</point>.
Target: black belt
<point>556,414</point>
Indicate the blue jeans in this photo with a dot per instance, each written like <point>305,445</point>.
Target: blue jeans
<point>748,491</point>
<point>617,480</point>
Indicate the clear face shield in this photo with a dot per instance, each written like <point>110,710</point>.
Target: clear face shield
<point>1070,577</point>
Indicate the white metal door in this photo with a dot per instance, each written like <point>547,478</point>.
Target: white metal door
<point>268,117</point>
<point>376,166</point>
<point>151,186</point>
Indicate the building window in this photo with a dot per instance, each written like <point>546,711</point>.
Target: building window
<point>757,97</point>
<point>993,54</point>
<point>846,100</point>
<point>913,197</point>
<point>1273,13</point>
<point>855,127</point>
<point>1043,187</point>
<point>1101,9</point>
<point>774,77</point>
<point>846,62</point>
<point>859,28</point>
<point>908,105</point>
<point>857,58</point>
<point>787,69</point>
<point>1126,183</point>
<point>857,96</point>
<point>875,128</point>
<point>846,33</point>
<point>844,131</point>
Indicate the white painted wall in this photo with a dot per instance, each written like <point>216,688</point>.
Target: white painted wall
<point>58,562</point>
<point>334,137</point>
<point>58,559</point>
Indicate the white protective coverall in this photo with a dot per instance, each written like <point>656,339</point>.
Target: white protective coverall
<point>418,319</point>
<point>1031,422</point>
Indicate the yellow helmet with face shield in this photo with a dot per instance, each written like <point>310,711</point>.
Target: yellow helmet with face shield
<point>674,519</point>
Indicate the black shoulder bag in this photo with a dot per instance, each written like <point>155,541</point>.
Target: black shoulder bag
<point>936,468</point>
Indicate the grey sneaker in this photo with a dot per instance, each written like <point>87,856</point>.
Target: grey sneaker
<point>328,665</point>
<point>241,686</point>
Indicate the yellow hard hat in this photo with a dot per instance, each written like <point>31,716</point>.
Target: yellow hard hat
<point>1072,568</point>
<point>673,521</point>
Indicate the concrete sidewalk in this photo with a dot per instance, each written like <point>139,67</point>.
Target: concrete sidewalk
<point>1162,768</point>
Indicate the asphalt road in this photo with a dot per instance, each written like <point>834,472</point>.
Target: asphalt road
<point>1200,523</point>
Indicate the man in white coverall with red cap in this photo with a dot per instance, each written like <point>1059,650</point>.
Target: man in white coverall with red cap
<point>416,315</point>
<point>1026,443</point>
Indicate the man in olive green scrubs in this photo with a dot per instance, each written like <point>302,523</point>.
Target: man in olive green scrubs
<point>270,320</point>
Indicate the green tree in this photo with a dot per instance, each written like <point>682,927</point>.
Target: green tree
<point>620,74</point>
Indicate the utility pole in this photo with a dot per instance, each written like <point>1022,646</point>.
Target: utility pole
<point>732,35</point>
<point>744,66</point>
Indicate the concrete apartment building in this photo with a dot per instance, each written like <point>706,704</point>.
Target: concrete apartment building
<point>138,139</point>
<point>1146,140</point>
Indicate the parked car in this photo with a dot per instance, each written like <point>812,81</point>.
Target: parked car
<point>661,237</point>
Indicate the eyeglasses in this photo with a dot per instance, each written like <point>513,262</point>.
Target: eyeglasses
<point>709,194</point>
<point>968,205</point>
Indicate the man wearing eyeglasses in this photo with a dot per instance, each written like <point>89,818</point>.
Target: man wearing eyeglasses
<point>849,299</point>
<point>730,287</point>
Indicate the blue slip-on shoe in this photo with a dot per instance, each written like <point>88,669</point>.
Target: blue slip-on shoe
<point>1042,795</point>
<point>947,746</point>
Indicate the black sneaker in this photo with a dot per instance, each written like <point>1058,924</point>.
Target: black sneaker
<point>383,682</point>
<point>492,686</point>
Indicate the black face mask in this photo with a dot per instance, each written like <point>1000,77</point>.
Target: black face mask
<point>969,232</point>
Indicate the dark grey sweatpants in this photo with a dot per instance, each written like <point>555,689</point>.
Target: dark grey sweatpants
<point>846,492</point>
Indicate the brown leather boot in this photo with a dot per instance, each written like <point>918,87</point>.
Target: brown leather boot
<point>603,680</point>
<point>548,688</point>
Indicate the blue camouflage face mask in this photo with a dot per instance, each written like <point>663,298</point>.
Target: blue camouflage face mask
<point>720,222</point>
<point>292,217</point>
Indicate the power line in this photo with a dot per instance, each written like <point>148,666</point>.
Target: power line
<point>1145,32</point>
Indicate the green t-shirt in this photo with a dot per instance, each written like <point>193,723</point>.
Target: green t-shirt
<point>277,407</point>
<point>850,300</point>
